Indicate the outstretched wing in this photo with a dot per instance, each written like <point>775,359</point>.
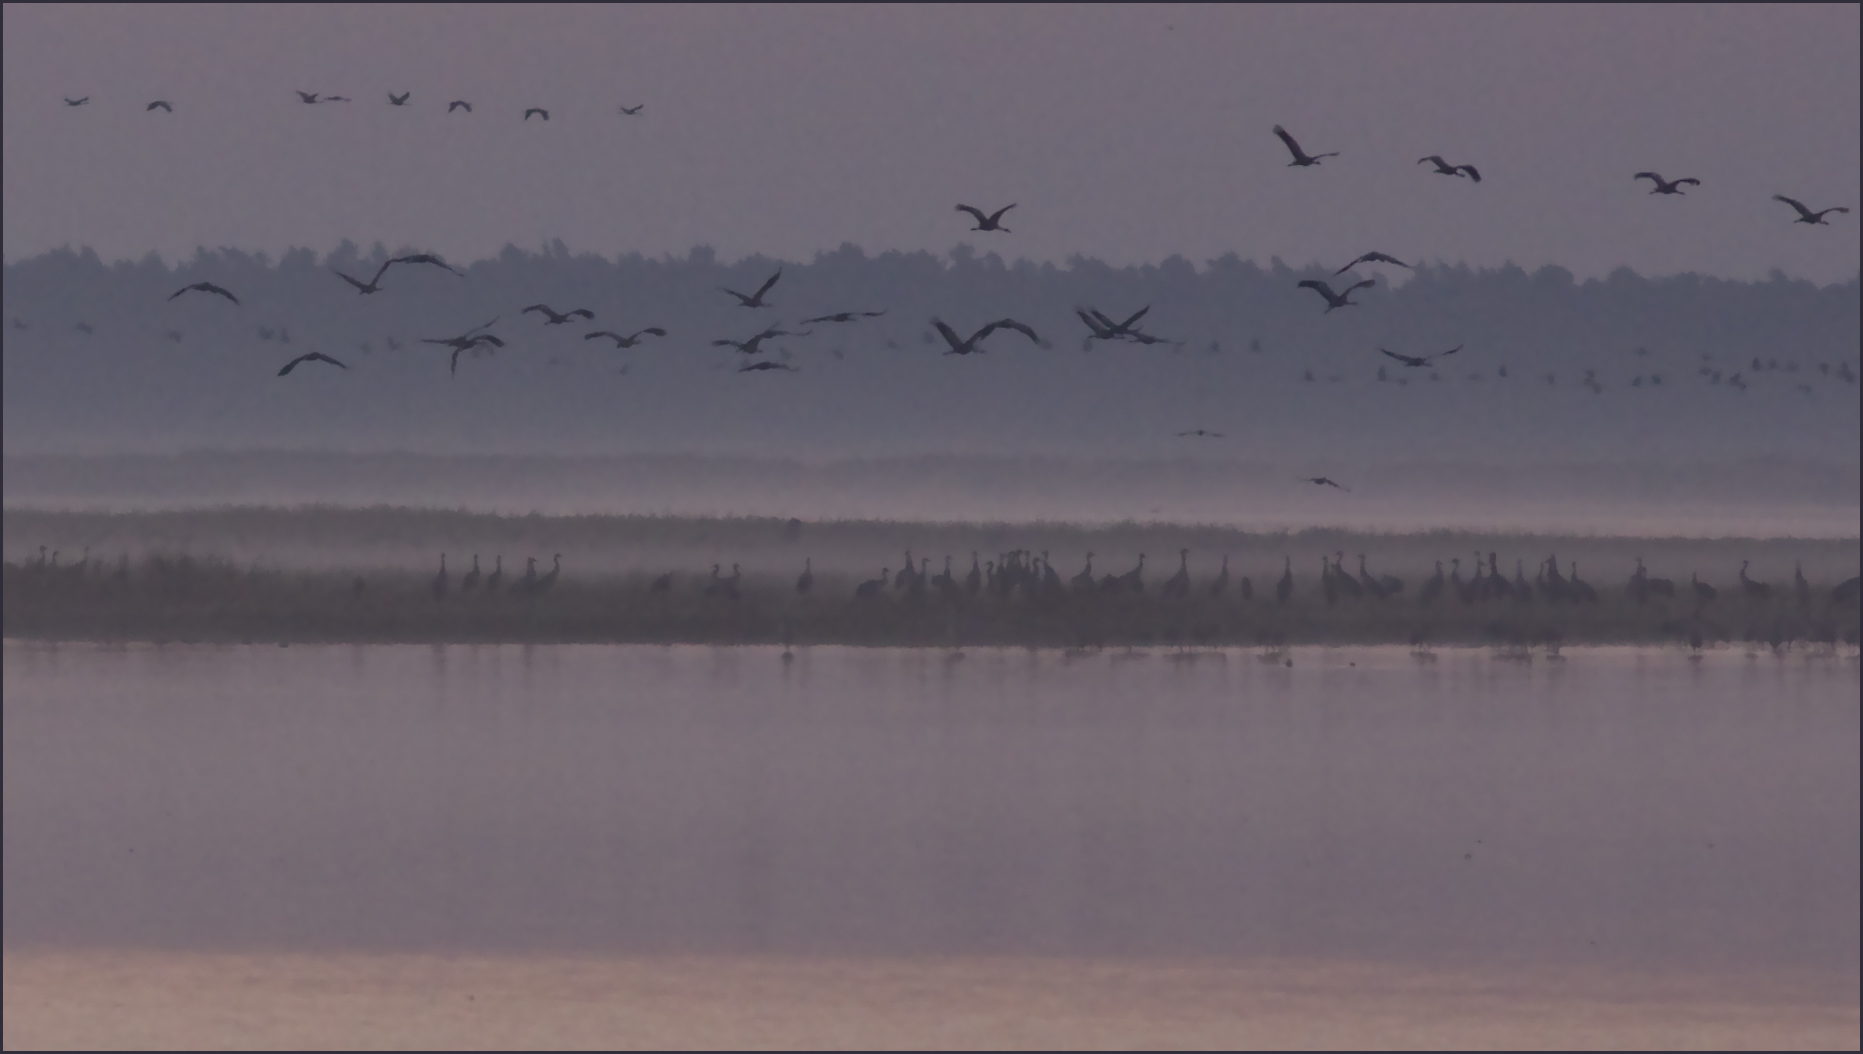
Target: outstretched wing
<point>602,333</point>
<point>1405,359</point>
<point>1434,159</point>
<point>293,364</point>
<point>1292,146</point>
<point>321,357</point>
<point>487,338</point>
<point>345,278</point>
<point>981,218</point>
<point>1098,330</point>
<point>584,312</point>
<point>1799,205</point>
<point>457,103</point>
<point>1360,285</point>
<point>1010,323</point>
<point>949,337</point>
<point>655,330</point>
<point>998,214</point>
<point>1472,174</point>
<point>1127,324</point>
<point>1690,181</point>
<point>545,308</point>
<point>765,287</point>
<point>1451,351</point>
<point>1647,175</point>
<point>1381,258</point>
<point>1317,286</point>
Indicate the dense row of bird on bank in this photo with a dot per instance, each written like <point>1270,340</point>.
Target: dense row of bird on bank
<point>1025,574</point>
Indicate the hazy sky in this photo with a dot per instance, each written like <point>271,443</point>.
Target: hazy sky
<point>1129,134</point>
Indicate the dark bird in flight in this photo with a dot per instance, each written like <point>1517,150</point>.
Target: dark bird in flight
<point>399,100</point>
<point>751,346</point>
<point>334,98</point>
<point>628,341</point>
<point>1372,258</point>
<point>307,97</point>
<point>533,110</point>
<point>1805,215</point>
<point>422,258</point>
<point>310,356</point>
<point>1333,299</point>
<point>204,287</point>
<point>631,111</point>
<point>1444,168</point>
<point>458,104</point>
<point>966,347</point>
<point>1665,186</point>
<point>556,319</point>
<point>1421,360</point>
<point>1108,328</point>
<point>1300,156</point>
<point>992,222</point>
<point>767,365</point>
<point>845,316</point>
<point>163,103</point>
<point>757,299</point>
<point>76,102</point>
<point>374,284</point>
<point>1324,482</point>
<point>471,338</point>
<point>1201,432</point>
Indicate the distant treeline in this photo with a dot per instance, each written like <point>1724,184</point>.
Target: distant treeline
<point>98,357</point>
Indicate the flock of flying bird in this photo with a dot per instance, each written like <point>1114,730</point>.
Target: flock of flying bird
<point>1100,326</point>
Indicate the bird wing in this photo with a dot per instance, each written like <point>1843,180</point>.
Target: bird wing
<point>998,214</point>
<point>602,333</point>
<point>1472,174</point>
<point>1405,359</point>
<point>1688,180</point>
<point>584,312</point>
<point>1360,285</point>
<point>1010,323</point>
<point>209,287</point>
<point>1136,316</point>
<point>305,96</point>
<point>981,218</point>
<point>1351,265</point>
<point>655,330</point>
<point>1799,205</point>
<point>1317,286</point>
<point>1098,330</point>
<point>398,101</point>
<point>457,103</point>
<point>487,338</point>
<point>487,325</point>
<point>339,274</point>
<point>321,357</point>
<point>292,365</point>
<point>1451,351</point>
<point>726,343</point>
<point>872,314</point>
<point>1289,140</point>
<point>1647,175</point>
<point>538,307</point>
<point>765,287</point>
<point>1381,258</point>
<point>380,271</point>
<point>949,337</point>
<point>160,103</point>
<point>1434,159</point>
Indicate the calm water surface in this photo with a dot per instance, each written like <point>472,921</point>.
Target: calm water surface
<point>1617,807</point>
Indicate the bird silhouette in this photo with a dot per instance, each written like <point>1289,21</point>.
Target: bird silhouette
<point>373,285</point>
<point>1301,158</point>
<point>163,103</point>
<point>1106,329</point>
<point>422,258</point>
<point>753,346</point>
<point>1202,432</point>
<point>966,347</point>
<point>1333,299</point>
<point>1421,360</point>
<point>767,365</point>
<point>69,101</point>
<point>307,97</point>
<point>628,341</point>
<point>471,338</point>
<point>756,299</point>
<point>204,287</point>
<point>1805,215</point>
<point>399,100</point>
<point>1664,186</point>
<point>1373,257</point>
<point>992,222</point>
<point>545,114</point>
<point>806,580</point>
<point>310,356</point>
<point>1444,168</point>
<point>1323,482</point>
<point>845,316</point>
<point>631,111</point>
<point>555,319</point>
<point>457,104</point>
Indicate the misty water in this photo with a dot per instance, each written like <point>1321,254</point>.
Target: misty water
<point>1623,808</point>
